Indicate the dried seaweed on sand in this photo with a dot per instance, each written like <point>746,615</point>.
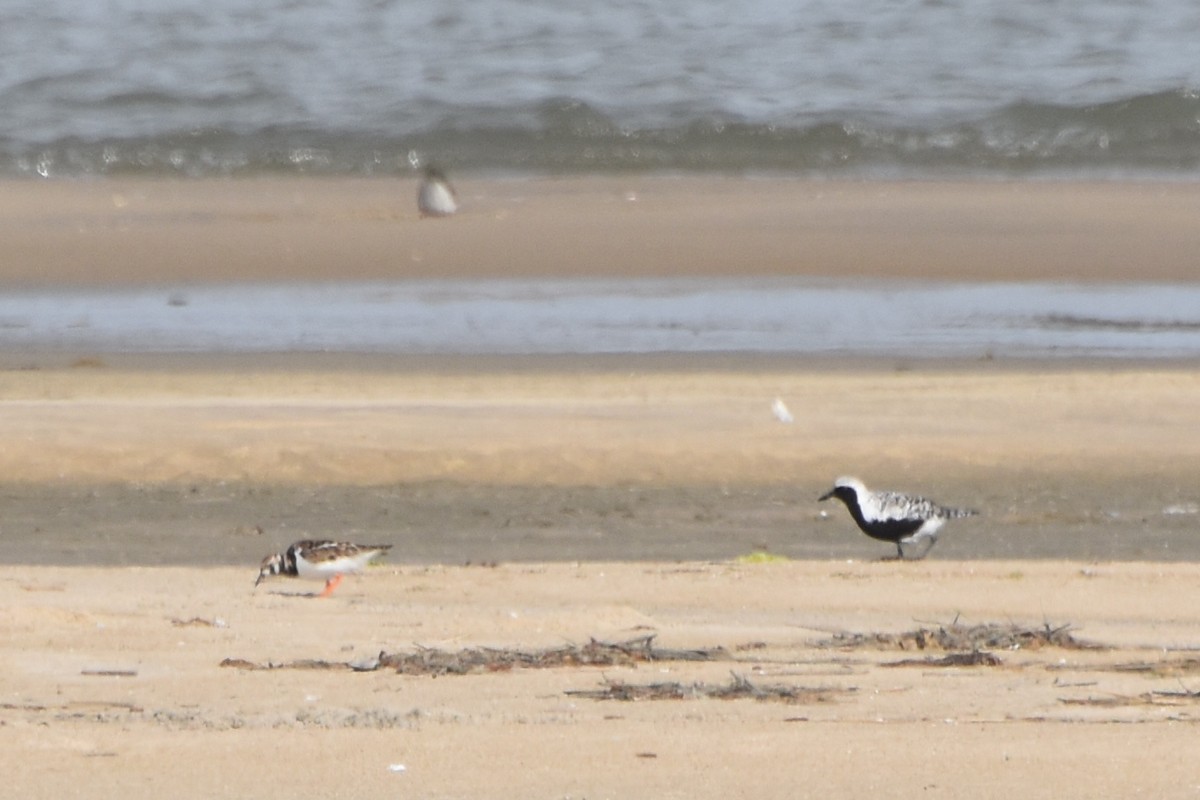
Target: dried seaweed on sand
<point>739,687</point>
<point>428,661</point>
<point>975,658</point>
<point>1154,698</point>
<point>1178,667</point>
<point>432,661</point>
<point>956,638</point>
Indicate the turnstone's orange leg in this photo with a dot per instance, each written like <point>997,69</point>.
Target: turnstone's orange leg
<point>330,585</point>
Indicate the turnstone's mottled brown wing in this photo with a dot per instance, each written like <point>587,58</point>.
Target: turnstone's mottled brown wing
<point>318,552</point>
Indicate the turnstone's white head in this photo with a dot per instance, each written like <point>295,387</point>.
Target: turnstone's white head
<point>435,196</point>
<point>320,560</point>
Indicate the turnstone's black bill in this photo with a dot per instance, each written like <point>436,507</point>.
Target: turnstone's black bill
<point>893,517</point>
<point>435,195</point>
<point>320,560</point>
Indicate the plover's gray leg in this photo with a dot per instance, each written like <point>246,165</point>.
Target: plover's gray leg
<point>898,557</point>
<point>925,544</point>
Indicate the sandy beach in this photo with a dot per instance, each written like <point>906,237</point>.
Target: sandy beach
<point>138,681</point>
<point>539,503</point>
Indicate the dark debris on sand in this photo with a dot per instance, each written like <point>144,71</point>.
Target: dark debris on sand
<point>1183,697</point>
<point>431,661</point>
<point>739,687</point>
<point>974,658</point>
<point>300,663</point>
<point>595,653</point>
<point>956,638</point>
<point>1172,668</point>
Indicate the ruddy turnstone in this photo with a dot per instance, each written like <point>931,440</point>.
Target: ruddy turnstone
<point>893,517</point>
<point>435,195</point>
<point>320,560</point>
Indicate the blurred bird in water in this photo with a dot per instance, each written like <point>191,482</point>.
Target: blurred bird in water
<point>435,195</point>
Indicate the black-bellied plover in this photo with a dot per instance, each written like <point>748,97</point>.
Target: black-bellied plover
<point>435,195</point>
<point>893,517</point>
<point>320,560</point>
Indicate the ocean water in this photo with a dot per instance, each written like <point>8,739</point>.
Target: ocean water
<point>1104,89</point>
<point>544,317</point>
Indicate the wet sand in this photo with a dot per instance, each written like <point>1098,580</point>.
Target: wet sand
<point>536,501</point>
<point>168,232</point>
<point>173,460</point>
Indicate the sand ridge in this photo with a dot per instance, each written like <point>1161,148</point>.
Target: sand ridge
<point>172,232</point>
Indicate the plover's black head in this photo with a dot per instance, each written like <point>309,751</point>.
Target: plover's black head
<point>271,566</point>
<point>846,489</point>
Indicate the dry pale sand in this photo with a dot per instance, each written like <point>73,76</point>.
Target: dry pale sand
<point>114,685</point>
<point>617,496</point>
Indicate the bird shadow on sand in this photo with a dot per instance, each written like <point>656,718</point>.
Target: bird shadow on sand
<point>284,593</point>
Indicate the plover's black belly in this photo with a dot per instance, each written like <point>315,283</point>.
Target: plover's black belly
<point>891,530</point>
